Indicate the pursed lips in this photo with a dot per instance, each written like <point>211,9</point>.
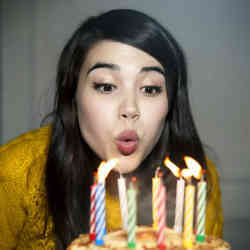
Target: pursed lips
<point>127,142</point>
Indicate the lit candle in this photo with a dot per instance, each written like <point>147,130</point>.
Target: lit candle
<point>93,212</point>
<point>100,214</point>
<point>180,186</point>
<point>132,214</point>
<point>179,205</point>
<point>161,216</point>
<point>201,211</point>
<point>189,209</point>
<point>123,201</point>
<point>201,198</point>
<point>155,186</point>
<point>102,173</point>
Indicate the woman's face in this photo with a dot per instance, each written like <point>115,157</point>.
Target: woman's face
<point>121,103</point>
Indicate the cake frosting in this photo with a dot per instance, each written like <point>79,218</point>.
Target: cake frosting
<point>146,239</point>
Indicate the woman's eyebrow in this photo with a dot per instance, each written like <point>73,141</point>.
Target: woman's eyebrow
<point>155,69</point>
<point>103,65</point>
<point>116,67</point>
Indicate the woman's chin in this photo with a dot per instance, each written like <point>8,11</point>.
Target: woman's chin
<point>126,166</point>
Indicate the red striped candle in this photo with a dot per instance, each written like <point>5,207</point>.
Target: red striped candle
<point>155,185</point>
<point>92,221</point>
<point>161,216</point>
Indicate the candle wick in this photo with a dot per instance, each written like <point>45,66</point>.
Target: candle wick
<point>157,171</point>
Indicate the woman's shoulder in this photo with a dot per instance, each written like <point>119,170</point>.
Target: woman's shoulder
<point>21,152</point>
<point>38,136</point>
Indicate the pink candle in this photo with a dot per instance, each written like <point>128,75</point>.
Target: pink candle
<point>155,185</point>
<point>161,216</point>
<point>92,213</point>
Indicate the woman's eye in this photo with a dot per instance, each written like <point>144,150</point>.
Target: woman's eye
<point>105,88</point>
<point>152,90</point>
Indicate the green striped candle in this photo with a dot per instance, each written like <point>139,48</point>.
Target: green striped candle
<point>131,194</point>
<point>201,211</point>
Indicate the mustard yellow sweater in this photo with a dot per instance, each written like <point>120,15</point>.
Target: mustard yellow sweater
<point>23,198</point>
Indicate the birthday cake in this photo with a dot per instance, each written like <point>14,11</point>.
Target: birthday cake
<point>146,239</point>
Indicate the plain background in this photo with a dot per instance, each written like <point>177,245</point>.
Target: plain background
<point>214,34</point>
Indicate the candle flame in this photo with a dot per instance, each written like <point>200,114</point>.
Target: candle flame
<point>160,174</point>
<point>194,166</point>
<point>173,168</point>
<point>133,179</point>
<point>186,173</point>
<point>105,168</point>
<point>157,171</point>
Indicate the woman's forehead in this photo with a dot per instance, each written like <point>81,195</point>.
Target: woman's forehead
<point>115,55</point>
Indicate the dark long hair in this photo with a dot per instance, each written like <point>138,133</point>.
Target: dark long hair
<point>71,162</point>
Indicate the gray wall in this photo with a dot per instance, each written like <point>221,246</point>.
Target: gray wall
<point>214,34</point>
<point>17,69</point>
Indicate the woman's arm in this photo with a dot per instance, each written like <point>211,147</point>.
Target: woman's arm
<point>12,189</point>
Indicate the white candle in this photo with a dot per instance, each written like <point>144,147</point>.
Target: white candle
<point>123,201</point>
<point>179,205</point>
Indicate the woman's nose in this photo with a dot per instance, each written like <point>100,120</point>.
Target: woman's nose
<point>129,109</point>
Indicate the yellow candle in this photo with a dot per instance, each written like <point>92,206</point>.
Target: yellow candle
<point>189,215</point>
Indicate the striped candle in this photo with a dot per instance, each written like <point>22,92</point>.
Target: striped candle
<point>92,212</point>
<point>161,216</point>
<point>201,211</point>
<point>100,214</point>
<point>131,215</point>
<point>189,215</point>
<point>179,206</point>
<point>123,201</point>
<point>155,186</point>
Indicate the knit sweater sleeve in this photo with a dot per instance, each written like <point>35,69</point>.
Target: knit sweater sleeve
<point>13,172</point>
<point>22,193</point>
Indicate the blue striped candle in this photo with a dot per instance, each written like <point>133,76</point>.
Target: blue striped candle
<point>100,214</point>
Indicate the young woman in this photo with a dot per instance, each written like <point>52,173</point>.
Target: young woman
<point>121,93</point>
